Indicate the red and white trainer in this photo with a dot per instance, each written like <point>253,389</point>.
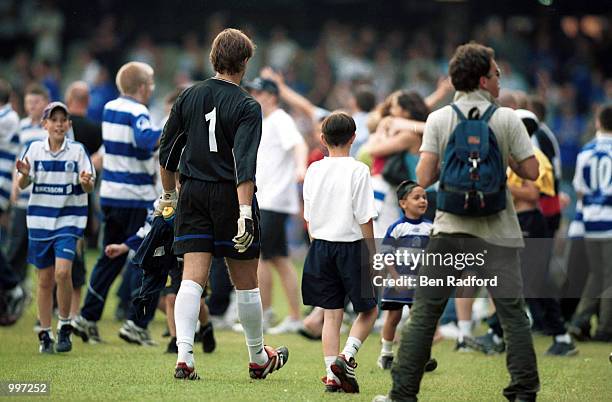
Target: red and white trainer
<point>345,371</point>
<point>276,360</point>
<point>184,372</point>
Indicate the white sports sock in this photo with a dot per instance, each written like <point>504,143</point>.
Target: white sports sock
<point>565,338</point>
<point>465,329</point>
<point>186,312</point>
<point>387,347</point>
<point>251,317</point>
<point>351,347</point>
<point>330,374</point>
<point>62,321</point>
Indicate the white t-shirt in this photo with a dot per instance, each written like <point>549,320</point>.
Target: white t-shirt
<point>338,197</point>
<point>276,176</point>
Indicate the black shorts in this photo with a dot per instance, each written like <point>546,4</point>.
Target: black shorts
<point>206,218</point>
<point>273,236</point>
<point>333,270</point>
<point>393,305</point>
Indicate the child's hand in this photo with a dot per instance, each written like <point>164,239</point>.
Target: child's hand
<point>85,178</point>
<point>115,250</point>
<point>23,166</point>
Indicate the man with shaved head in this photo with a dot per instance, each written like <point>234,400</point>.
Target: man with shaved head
<point>86,131</point>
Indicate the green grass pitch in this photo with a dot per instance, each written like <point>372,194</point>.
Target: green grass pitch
<point>117,371</point>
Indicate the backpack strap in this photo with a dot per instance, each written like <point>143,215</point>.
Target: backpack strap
<point>459,113</point>
<point>488,113</point>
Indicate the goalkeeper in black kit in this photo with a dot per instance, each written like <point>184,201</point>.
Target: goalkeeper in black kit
<point>211,138</point>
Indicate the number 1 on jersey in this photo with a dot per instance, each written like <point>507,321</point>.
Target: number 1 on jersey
<point>211,118</point>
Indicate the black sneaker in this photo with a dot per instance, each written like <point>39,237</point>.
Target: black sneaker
<point>562,349</point>
<point>345,371</point>
<point>46,342</point>
<point>64,343</point>
<point>485,344</point>
<point>172,348</point>
<point>431,365</point>
<point>385,362</point>
<point>208,338</point>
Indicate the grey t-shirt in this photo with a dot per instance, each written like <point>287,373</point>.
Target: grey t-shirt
<point>501,229</point>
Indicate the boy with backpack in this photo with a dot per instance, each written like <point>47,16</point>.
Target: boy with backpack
<point>468,147</point>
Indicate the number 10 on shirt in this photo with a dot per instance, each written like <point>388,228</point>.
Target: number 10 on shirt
<point>211,118</point>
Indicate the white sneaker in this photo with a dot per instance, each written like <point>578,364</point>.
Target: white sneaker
<point>132,333</point>
<point>288,325</point>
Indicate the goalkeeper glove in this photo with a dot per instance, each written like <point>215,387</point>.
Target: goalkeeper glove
<point>246,229</point>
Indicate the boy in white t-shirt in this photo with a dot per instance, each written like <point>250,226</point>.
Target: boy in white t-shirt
<point>339,208</point>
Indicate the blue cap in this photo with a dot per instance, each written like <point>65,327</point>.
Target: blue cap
<point>51,107</point>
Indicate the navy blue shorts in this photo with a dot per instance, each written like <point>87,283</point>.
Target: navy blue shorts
<point>42,253</point>
<point>332,271</point>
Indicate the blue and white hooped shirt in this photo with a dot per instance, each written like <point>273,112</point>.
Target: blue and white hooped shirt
<point>58,204</point>
<point>28,133</point>
<point>128,179</point>
<point>411,235</point>
<point>593,179</point>
<point>9,146</point>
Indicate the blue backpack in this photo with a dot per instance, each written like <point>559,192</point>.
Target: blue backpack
<point>473,178</point>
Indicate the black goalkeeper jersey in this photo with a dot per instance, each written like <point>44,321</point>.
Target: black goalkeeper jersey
<point>213,133</point>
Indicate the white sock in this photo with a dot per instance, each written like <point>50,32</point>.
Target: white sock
<point>565,338</point>
<point>251,317</point>
<point>465,329</point>
<point>62,321</point>
<point>387,347</point>
<point>330,374</point>
<point>351,347</point>
<point>186,312</point>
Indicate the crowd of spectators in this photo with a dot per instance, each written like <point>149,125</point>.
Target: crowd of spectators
<point>562,59</point>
